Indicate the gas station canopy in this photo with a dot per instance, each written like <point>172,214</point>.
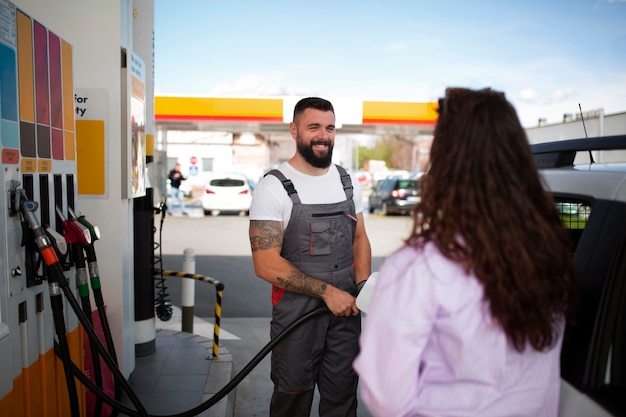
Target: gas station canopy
<point>272,115</point>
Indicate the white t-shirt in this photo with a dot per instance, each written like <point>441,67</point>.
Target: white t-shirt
<point>271,202</point>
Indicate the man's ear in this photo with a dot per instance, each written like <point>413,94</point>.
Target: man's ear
<point>293,130</point>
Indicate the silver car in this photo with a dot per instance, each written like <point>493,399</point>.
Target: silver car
<point>591,200</point>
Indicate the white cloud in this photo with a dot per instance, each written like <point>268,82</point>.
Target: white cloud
<point>598,3</point>
<point>533,96</point>
<point>528,94</point>
<point>562,94</point>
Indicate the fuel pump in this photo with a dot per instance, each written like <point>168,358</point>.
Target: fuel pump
<point>56,281</point>
<point>59,286</point>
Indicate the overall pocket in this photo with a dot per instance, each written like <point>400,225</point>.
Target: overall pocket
<point>319,243</point>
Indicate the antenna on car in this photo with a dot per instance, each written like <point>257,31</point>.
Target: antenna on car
<point>582,117</point>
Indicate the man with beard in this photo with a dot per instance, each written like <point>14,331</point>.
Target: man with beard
<point>308,240</point>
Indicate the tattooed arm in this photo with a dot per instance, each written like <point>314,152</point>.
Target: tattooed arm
<point>266,240</point>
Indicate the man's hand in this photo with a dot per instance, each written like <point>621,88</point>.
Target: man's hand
<point>339,302</point>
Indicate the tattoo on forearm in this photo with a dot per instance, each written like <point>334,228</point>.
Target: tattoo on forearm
<point>265,235</point>
<point>299,282</point>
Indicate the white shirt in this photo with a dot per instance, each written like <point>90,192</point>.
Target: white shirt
<point>271,202</point>
<point>430,347</point>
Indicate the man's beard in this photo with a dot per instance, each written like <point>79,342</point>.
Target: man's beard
<point>309,155</point>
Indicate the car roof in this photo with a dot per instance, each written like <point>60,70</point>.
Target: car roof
<point>561,172</point>
<point>408,176</point>
<point>563,153</point>
<point>233,175</point>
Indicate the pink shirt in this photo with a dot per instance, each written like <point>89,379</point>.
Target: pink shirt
<point>429,347</point>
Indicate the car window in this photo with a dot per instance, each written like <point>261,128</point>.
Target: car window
<point>574,213</point>
<point>407,185</point>
<point>383,185</point>
<point>227,182</point>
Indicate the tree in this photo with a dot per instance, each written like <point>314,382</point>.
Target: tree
<point>395,150</point>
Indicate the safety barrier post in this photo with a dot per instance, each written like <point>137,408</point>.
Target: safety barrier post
<point>219,288</point>
<point>188,290</point>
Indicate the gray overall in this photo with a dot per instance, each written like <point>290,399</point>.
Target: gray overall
<point>318,240</point>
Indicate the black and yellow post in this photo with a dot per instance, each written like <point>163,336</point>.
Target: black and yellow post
<point>219,288</point>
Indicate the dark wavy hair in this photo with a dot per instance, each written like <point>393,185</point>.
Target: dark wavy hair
<point>483,206</point>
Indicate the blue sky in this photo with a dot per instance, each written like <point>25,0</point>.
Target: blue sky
<point>546,55</point>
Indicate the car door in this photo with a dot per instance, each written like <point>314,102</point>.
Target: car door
<point>593,358</point>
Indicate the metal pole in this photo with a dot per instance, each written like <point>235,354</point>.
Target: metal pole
<point>188,290</point>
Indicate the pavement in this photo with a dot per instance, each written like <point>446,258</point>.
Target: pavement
<point>182,373</point>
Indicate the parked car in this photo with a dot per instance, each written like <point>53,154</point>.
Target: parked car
<point>591,200</point>
<point>395,194</point>
<point>226,193</point>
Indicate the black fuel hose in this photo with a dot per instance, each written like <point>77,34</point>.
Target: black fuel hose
<point>217,396</point>
<point>162,304</point>
<point>96,289</point>
<point>104,354</point>
<point>83,290</point>
<point>56,302</point>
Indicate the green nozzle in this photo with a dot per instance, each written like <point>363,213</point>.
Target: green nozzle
<point>93,230</point>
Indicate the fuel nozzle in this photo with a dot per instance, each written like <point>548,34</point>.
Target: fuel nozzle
<point>75,232</point>
<point>43,242</point>
<point>44,245</point>
<point>94,231</point>
<point>58,241</point>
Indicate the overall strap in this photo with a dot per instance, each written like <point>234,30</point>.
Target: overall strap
<point>287,185</point>
<point>346,181</point>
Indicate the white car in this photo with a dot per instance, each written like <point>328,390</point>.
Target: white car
<point>227,193</point>
<point>591,199</point>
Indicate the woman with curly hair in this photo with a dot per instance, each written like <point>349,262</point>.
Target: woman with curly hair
<point>467,318</point>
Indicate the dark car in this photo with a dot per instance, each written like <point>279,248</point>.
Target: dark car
<point>395,195</point>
